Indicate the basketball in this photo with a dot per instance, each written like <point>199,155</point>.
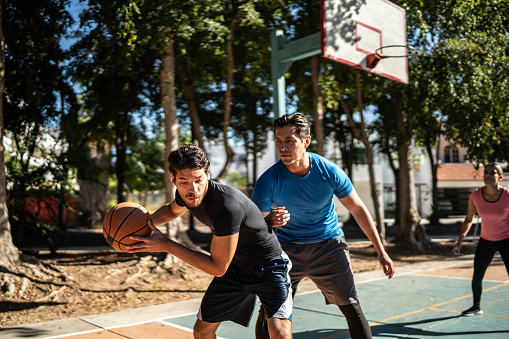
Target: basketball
<point>124,220</point>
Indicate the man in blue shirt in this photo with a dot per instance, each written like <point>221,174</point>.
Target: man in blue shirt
<point>305,183</point>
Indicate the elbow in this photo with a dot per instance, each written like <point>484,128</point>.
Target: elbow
<point>219,271</point>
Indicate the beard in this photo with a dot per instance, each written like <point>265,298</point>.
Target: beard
<point>193,200</point>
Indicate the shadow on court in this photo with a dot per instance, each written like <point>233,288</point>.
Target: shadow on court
<point>423,304</point>
<point>423,301</point>
<point>397,330</point>
<point>420,304</point>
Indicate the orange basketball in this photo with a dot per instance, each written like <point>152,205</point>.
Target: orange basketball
<point>124,220</point>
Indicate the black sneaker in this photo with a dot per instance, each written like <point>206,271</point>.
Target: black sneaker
<point>474,310</point>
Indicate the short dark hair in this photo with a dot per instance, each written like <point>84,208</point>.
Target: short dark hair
<point>297,120</point>
<point>188,156</point>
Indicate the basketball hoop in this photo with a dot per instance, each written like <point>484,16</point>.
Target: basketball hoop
<point>373,59</point>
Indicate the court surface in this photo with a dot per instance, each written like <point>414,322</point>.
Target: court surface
<point>423,300</point>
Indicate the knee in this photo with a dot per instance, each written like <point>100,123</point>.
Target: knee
<point>199,333</point>
<point>281,333</point>
<point>261,331</point>
<point>202,331</point>
<point>352,311</point>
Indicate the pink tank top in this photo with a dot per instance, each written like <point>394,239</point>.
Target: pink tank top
<point>494,215</point>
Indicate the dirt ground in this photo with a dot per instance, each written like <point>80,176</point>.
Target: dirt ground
<point>103,282</point>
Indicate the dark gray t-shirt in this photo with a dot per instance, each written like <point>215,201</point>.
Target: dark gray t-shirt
<point>227,211</point>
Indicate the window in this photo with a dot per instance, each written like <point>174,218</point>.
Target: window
<point>455,155</point>
<point>447,154</point>
<point>451,154</point>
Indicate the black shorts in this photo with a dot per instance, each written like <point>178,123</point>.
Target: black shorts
<point>233,296</point>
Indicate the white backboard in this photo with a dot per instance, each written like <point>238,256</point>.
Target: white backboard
<point>353,29</point>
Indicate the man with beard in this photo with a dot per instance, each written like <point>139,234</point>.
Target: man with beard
<point>245,257</point>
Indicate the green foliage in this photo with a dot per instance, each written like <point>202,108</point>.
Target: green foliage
<point>235,179</point>
<point>107,87</point>
<point>462,75</point>
<point>38,177</point>
<point>34,81</point>
<point>119,82</point>
<point>146,162</point>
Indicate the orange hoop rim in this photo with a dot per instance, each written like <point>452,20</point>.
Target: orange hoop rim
<point>382,56</point>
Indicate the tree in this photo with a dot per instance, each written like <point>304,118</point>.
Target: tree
<point>471,61</point>
<point>250,115</point>
<point>237,15</point>
<point>41,25</point>
<point>360,133</point>
<point>108,68</point>
<point>165,21</point>
<point>146,163</point>
<point>31,111</point>
<point>412,234</point>
<point>336,124</point>
<point>304,21</point>
<point>384,128</point>
<point>342,90</point>
<point>452,81</point>
<point>9,256</point>
<point>251,104</point>
<point>459,44</point>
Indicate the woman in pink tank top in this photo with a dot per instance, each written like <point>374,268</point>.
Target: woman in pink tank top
<point>491,202</point>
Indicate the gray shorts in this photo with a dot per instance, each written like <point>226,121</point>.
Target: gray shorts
<point>327,264</point>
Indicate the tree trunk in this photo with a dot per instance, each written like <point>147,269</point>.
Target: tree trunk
<point>175,229</point>
<point>412,234</point>
<point>347,149</point>
<point>435,213</point>
<point>255,160</point>
<point>227,112</point>
<point>361,135</point>
<point>395,173</point>
<point>9,255</point>
<point>169,103</point>
<point>317,104</point>
<point>228,95</point>
<point>121,130</point>
<point>375,193</point>
<point>188,91</point>
<point>94,196</point>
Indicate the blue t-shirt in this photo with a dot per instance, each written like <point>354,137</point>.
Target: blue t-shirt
<point>308,199</point>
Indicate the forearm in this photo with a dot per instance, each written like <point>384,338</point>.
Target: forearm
<point>368,227</point>
<point>163,215</point>
<point>194,258</point>
<point>465,227</point>
<point>361,214</point>
<point>467,222</point>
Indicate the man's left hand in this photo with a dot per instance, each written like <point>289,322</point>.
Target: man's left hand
<point>156,242</point>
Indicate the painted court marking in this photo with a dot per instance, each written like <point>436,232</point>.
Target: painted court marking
<point>436,307</point>
<point>433,307</point>
<point>407,286</point>
<point>147,330</point>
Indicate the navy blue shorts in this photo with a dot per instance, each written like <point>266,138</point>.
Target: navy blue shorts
<point>232,297</point>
